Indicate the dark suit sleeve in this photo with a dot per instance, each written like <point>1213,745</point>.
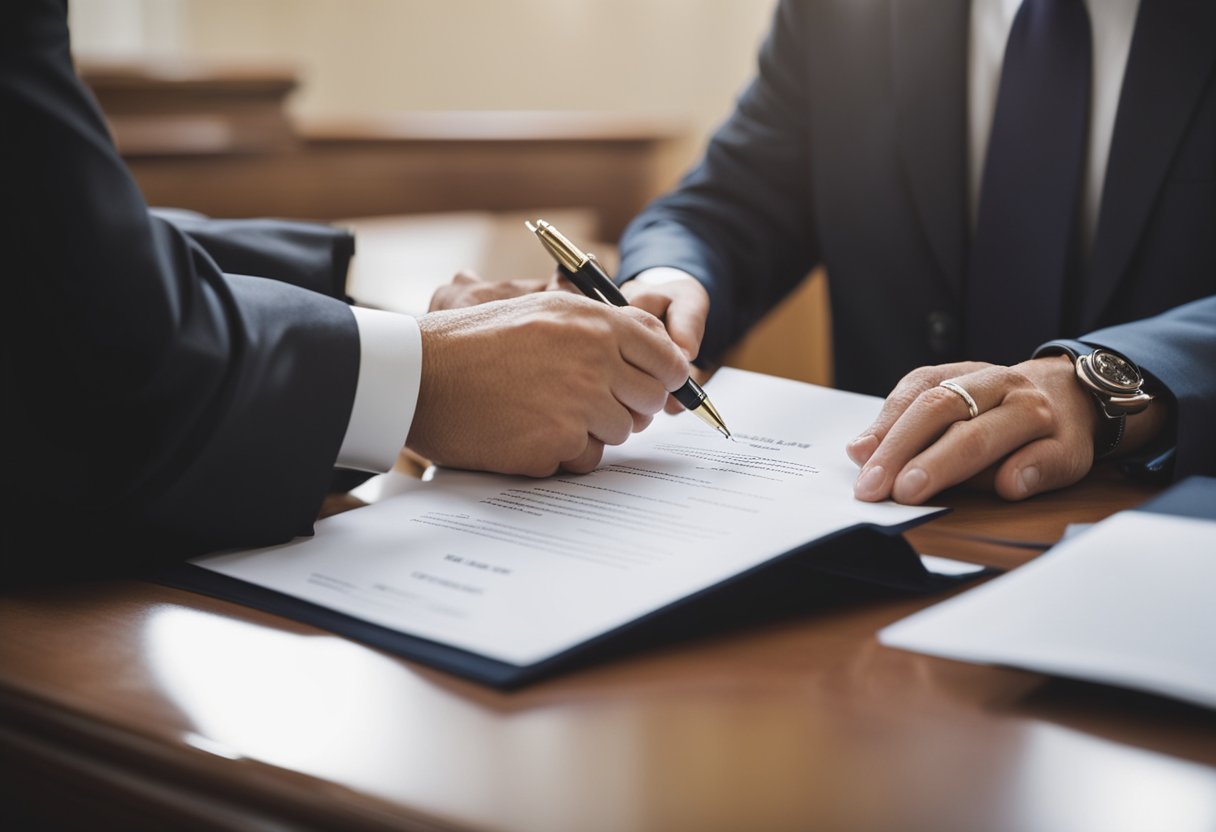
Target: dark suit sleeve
<point>1177,352</point>
<point>309,255</point>
<point>741,221</point>
<point>161,408</point>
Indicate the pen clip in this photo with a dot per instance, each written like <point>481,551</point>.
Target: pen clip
<point>564,252</point>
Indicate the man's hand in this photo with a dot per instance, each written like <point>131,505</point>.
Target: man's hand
<point>531,384</point>
<point>467,289</point>
<point>680,302</point>
<point>1034,432</point>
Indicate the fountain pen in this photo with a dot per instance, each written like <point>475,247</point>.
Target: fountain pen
<point>589,277</point>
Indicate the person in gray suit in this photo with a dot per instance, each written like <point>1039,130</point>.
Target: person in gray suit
<point>1016,208</point>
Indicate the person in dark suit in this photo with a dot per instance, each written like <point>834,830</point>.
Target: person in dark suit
<point>996,189</point>
<point>176,385</point>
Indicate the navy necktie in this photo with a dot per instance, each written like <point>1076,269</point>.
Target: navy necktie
<point>1026,248</point>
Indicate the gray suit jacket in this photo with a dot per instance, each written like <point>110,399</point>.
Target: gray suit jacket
<point>849,150</point>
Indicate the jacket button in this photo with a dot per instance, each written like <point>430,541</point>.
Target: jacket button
<point>943,333</point>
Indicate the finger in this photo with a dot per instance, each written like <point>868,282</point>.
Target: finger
<point>467,290</point>
<point>586,461</point>
<point>923,421</point>
<point>640,393</point>
<point>967,449</point>
<point>644,343</point>
<point>611,424</point>
<point>909,388</point>
<point>641,421</point>
<point>1043,465</point>
<point>686,320</point>
<point>656,303</point>
<point>682,306</point>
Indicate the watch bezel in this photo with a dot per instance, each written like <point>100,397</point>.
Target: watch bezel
<point>1115,398</point>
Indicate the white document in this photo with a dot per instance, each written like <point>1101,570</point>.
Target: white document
<point>1130,601</point>
<point>520,569</point>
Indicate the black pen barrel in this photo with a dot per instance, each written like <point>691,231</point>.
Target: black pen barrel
<point>611,292</point>
<point>690,395</point>
<point>581,281</point>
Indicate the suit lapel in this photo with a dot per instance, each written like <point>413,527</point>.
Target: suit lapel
<point>929,55</point>
<point>1169,65</point>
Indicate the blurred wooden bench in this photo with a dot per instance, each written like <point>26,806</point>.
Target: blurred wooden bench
<point>220,140</point>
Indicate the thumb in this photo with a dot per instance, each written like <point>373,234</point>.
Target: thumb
<point>1043,465</point>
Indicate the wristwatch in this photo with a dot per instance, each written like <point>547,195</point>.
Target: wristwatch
<point>1116,385</point>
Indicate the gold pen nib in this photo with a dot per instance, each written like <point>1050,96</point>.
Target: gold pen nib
<point>710,416</point>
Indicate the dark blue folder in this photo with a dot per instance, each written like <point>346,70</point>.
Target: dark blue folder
<point>856,563</point>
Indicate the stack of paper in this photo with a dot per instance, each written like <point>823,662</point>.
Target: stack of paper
<point>1131,601</point>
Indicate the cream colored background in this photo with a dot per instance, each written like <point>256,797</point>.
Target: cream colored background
<point>685,58</point>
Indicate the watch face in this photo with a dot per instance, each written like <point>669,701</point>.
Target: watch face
<point>1115,370</point>
<point>1114,381</point>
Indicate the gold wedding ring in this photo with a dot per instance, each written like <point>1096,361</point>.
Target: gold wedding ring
<point>954,387</point>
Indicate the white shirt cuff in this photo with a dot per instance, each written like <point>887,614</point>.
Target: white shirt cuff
<point>662,274</point>
<point>390,373</point>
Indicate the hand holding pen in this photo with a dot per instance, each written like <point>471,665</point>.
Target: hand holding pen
<point>589,277</point>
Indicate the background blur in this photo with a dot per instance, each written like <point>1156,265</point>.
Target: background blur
<point>431,127</point>
<point>682,58</point>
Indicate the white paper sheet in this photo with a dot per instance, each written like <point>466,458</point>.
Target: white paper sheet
<point>521,569</point>
<point>1130,601</point>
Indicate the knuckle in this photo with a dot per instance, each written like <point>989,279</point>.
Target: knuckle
<point>940,400</point>
<point>570,444</point>
<point>645,318</point>
<point>677,372</point>
<point>968,443</point>
<point>1035,408</point>
<point>922,378</point>
<point>655,398</point>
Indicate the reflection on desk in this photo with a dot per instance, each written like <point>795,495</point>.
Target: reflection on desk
<point>154,708</point>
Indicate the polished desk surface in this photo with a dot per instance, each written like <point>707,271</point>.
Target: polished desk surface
<point>133,703</point>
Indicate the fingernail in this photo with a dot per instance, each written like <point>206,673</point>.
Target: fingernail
<point>911,483</point>
<point>869,484</point>
<point>1029,478</point>
<point>860,449</point>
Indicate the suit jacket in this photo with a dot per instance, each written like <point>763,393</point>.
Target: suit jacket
<point>849,150</point>
<point>158,404</point>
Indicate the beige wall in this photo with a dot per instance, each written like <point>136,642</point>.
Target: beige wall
<point>686,58</point>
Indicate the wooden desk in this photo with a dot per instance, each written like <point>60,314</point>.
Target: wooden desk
<point>152,708</point>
